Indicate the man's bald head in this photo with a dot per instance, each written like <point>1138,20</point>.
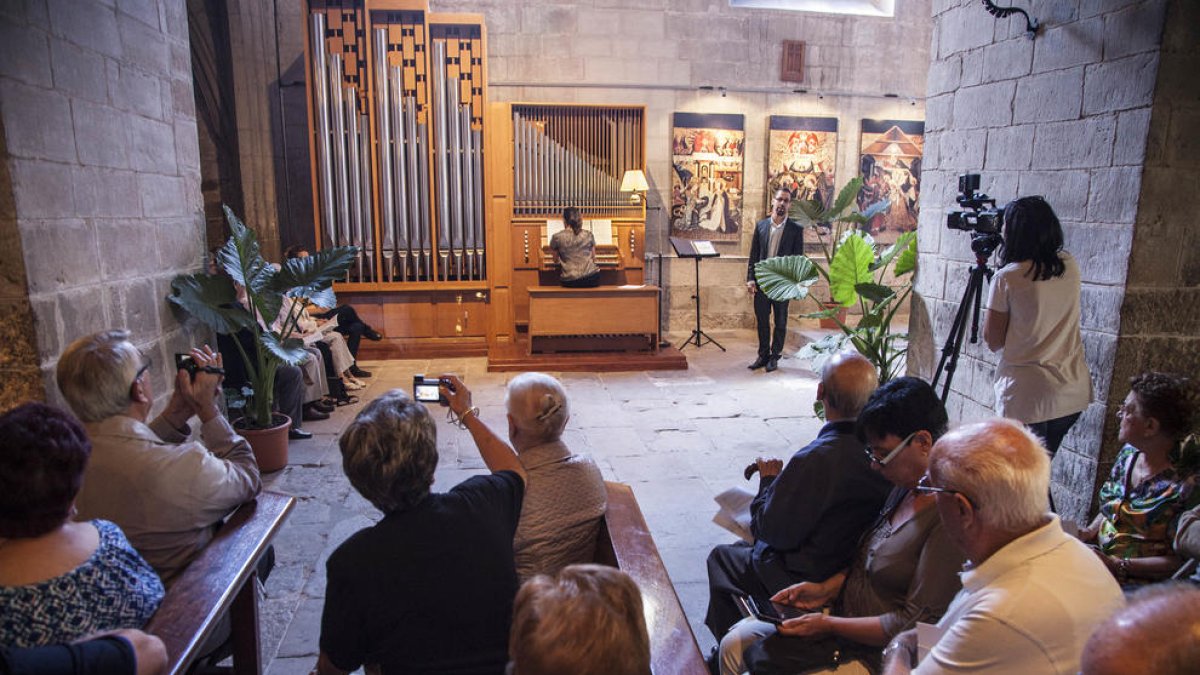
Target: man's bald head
<point>847,381</point>
<point>1158,632</point>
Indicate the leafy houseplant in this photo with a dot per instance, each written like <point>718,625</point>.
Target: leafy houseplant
<point>855,269</point>
<point>213,299</point>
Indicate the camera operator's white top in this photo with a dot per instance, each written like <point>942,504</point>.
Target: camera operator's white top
<point>1042,373</point>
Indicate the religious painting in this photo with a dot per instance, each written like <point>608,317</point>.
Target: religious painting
<point>802,157</point>
<point>706,178</point>
<point>890,166</point>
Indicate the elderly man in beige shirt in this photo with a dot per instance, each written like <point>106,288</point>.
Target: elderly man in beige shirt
<point>166,492</point>
<point>565,495</point>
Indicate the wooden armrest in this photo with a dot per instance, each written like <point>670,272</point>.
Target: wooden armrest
<point>207,588</point>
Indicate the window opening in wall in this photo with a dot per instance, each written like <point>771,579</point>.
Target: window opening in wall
<point>856,7</point>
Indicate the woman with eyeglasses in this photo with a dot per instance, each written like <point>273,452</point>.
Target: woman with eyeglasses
<point>905,570</point>
<point>1042,379</point>
<point>1153,481</point>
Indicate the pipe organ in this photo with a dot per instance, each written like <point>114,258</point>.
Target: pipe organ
<point>446,195</point>
<point>397,96</point>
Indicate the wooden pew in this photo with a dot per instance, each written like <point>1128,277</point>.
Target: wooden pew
<point>625,543</point>
<point>222,578</point>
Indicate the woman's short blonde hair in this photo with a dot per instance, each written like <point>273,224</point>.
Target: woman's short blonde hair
<point>96,372</point>
<point>389,452</point>
<point>586,620</point>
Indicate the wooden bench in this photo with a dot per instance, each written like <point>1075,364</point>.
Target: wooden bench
<point>222,578</point>
<point>625,543</point>
<point>559,312</point>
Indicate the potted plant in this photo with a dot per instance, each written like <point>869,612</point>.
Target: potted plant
<point>213,299</point>
<point>856,270</point>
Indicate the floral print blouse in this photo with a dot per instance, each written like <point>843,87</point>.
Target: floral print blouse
<point>1139,520</point>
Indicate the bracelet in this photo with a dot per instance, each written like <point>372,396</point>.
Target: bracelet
<point>1123,570</point>
<point>460,421</point>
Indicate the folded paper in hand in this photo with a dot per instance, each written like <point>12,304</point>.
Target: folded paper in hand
<point>734,512</point>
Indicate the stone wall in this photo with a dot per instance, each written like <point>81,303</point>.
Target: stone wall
<point>102,166</point>
<point>657,53</point>
<point>1066,116</point>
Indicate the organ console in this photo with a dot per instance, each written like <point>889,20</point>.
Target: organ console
<point>447,195</point>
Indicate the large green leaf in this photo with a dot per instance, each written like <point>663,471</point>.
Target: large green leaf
<point>241,257</point>
<point>785,277</point>
<point>290,351</point>
<point>874,292</point>
<point>907,261</point>
<point>902,242</point>
<point>845,198</point>
<point>306,277</point>
<point>851,266</point>
<point>805,211</point>
<point>212,300</point>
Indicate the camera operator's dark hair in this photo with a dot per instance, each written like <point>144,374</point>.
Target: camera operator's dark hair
<point>1032,232</point>
<point>900,407</point>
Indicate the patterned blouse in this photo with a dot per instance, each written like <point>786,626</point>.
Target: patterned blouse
<point>1139,520</point>
<point>114,588</point>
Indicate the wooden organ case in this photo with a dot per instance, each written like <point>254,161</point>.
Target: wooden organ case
<point>542,159</point>
<point>447,196</point>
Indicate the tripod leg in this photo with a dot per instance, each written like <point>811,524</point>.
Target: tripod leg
<point>953,347</point>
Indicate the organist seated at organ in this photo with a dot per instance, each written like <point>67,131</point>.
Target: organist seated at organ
<point>575,250</point>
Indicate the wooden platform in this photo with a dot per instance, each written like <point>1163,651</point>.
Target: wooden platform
<point>515,357</point>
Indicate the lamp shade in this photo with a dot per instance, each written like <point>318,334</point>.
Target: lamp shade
<point>634,181</point>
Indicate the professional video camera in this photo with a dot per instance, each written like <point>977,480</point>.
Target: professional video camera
<point>979,216</point>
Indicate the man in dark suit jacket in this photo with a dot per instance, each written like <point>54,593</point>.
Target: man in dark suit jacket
<point>776,235</point>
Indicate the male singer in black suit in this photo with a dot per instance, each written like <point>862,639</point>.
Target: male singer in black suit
<point>777,235</point>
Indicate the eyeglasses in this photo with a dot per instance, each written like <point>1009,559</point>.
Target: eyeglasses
<point>891,455</point>
<point>927,487</point>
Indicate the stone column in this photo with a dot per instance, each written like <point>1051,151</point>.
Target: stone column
<point>100,184</point>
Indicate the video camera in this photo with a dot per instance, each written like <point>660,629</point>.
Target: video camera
<point>979,216</point>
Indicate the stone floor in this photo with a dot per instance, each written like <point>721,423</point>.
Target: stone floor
<point>678,438</point>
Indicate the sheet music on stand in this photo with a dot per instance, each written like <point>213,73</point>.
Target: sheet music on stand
<point>601,229</point>
<point>694,248</point>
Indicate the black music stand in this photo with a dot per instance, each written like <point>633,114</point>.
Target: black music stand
<point>687,248</point>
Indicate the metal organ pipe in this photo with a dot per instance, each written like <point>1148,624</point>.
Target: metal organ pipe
<point>339,147</point>
<point>419,226</point>
<point>366,232</point>
<point>401,225</point>
<point>385,148</point>
<point>321,89</point>
<point>441,158</point>
<point>356,184</point>
<point>468,191</point>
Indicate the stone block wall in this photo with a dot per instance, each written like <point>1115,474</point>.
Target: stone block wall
<point>658,53</point>
<point>1065,116</point>
<point>100,185</point>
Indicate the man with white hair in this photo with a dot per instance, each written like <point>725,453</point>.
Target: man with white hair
<point>164,491</point>
<point>565,495</point>
<point>1031,594</point>
<point>807,517</point>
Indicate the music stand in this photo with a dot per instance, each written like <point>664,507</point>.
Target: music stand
<point>687,248</point>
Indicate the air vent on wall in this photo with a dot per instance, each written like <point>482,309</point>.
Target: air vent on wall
<point>792,65</point>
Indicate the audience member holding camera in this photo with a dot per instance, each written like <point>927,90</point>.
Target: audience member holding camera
<point>60,579</point>
<point>1033,321</point>
<point>166,492</point>
<point>1153,481</point>
<point>430,587</point>
<point>565,495</point>
<point>906,568</point>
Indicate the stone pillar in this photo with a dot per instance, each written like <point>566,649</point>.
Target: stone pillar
<point>1066,116</point>
<point>100,184</point>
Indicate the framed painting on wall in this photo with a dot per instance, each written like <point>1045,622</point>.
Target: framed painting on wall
<point>706,179</point>
<point>890,166</point>
<point>802,157</point>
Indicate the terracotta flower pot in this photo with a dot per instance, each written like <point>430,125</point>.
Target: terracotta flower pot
<point>842,313</point>
<point>270,445</point>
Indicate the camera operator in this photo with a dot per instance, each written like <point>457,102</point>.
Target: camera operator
<point>1033,321</point>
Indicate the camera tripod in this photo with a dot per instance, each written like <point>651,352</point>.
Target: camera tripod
<point>968,310</point>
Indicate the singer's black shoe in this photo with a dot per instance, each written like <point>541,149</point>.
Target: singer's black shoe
<point>773,364</point>
<point>758,363</point>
